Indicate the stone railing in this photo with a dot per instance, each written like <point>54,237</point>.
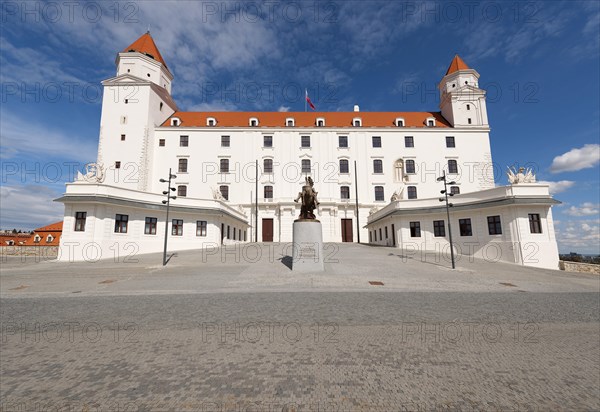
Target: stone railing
<point>578,267</point>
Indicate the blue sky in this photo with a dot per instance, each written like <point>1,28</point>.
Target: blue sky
<point>539,62</point>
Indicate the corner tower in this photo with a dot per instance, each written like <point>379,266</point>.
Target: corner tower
<point>462,102</point>
<point>134,102</point>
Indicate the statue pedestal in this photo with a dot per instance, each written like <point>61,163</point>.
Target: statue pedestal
<point>307,255</point>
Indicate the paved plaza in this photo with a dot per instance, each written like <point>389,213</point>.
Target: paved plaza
<point>236,330</point>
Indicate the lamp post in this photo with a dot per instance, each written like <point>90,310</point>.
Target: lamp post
<point>167,202</point>
<point>448,206</point>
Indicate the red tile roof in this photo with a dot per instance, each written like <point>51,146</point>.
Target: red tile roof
<point>145,45</point>
<point>28,239</point>
<point>53,227</point>
<point>307,119</point>
<point>457,64</point>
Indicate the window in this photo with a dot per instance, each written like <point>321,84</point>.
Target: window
<point>182,190</point>
<point>224,192</point>
<point>377,166</point>
<point>469,120</point>
<point>415,229</point>
<point>289,122</point>
<point>174,122</point>
<point>268,192</point>
<point>121,223</point>
<point>409,141</point>
<point>450,141</point>
<point>201,228</point>
<point>379,196</point>
<point>343,141</point>
<point>345,192</point>
<point>386,232</point>
<point>305,165</point>
<point>376,141</point>
<point>253,122</point>
<point>177,227</point>
<point>535,224</point>
<point>305,141</point>
<point>452,166</point>
<point>380,237</point>
<point>122,137</point>
<point>410,166</point>
<point>494,225</point>
<point>468,107</point>
<point>439,230</point>
<point>375,235</point>
<point>160,106</point>
<point>399,122</point>
<point>430,122</point>
<point>267,141</point>
<point>150,226</point>
<point>412,192</point>
<point>80,221</point>
<point>344,168</point>
<point>320,122</point>
<point>455,190</point>
<point>370,236</point>
<point>161,142</point>
<point>37,238</point>
<point>268,165</point>
<point>126,101</point>
<point>211,121</point>
<point>117,164</point>
<point>356,122</point>
<point>183,166</point>
<point>183,141</point>
<point>234,232</point>
<point>464,226</point>
<point>224,165</point>
<point>228,232</point>
<point>49,239</point>
<point>225,141</point>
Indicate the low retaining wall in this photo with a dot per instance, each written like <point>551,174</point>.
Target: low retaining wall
<point>44,252</point>
<point>579,267</point>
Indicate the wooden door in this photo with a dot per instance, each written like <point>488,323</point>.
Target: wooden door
<point>267,230</point>
<point>347,234</point>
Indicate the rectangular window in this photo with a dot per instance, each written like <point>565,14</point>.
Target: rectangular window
<point>305,141</point>
<point>161,142</point>
<point>412,192</point>
<point>177,227</point>
<point>377,166</point>
<point>376,141</point>
<point>201,228</point>
<point>80,221</point>
<point>183,166</point>
<point>305,165</point>
<point>455,190</point>
<point>267,141</point>
<point>386,232</point>
<point>345,192</point>
<point>452,166</point>
<point>224,192</point>
<point>121,223</point>
<point>379,195</point>
<point>380,237</point>
<point>370,236</point>
<point>344,167</point>
<point>228,232</point>
<point>268,192</point>
<point>494,225</point>
<point>535,224</point>
<point>415,229</point>
<point>464,226</point>
<point>225,141</point>
<point>343,141</point>
<point>122,137</point>
<point>439,230</point>
<point>410,166</point>
<point>450,141</point>
<point>224,165</point>
<point>183,141</point>
<point>150,227</point>
<point>268,166</point>
<point>409,141</point>
<point>182,190</point>
<point>117,164</point>
<point>469,120</point>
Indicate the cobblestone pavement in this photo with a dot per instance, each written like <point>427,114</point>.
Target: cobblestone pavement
<point>396,349</point>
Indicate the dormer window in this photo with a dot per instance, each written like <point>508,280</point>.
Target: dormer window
<point>289,122</point>
<point>37,239</point>
<point>175,121</point>
<point>430,122</point>
<point>253,122</point>
<point>320,122</point>
<point>49,239</point>
<point>357,122</point>
<point>399,122</point>
<point>211,121</point>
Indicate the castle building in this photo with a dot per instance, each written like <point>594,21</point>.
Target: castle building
<point>376,174</point>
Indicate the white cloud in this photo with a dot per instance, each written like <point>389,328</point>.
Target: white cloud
<point>283,109</point>
<point>29,207</point>
<point>558,187</point>
<point>577,159</point>
<point>586,209</point>
<point>582,236</point>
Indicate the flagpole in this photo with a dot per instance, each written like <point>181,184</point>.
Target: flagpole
<point>305,99</point>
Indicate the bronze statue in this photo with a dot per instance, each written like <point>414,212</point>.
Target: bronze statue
<point>308,195</point>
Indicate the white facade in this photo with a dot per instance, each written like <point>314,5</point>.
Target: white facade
<point>358,161</point>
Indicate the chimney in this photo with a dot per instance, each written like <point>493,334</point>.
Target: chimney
<point>356,108</point>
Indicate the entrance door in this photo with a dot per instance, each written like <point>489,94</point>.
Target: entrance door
<point>267,230</point>
<point>347,230</point>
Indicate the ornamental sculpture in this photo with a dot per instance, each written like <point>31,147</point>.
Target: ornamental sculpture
<point>308,196</point>
<point>521,176</point>
<point>94,173</point>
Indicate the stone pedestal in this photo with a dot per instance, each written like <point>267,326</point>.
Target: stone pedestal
<point>307,255</point>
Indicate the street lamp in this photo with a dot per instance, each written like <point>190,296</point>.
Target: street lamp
<point>167,202</point>
<point>448,206</point>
